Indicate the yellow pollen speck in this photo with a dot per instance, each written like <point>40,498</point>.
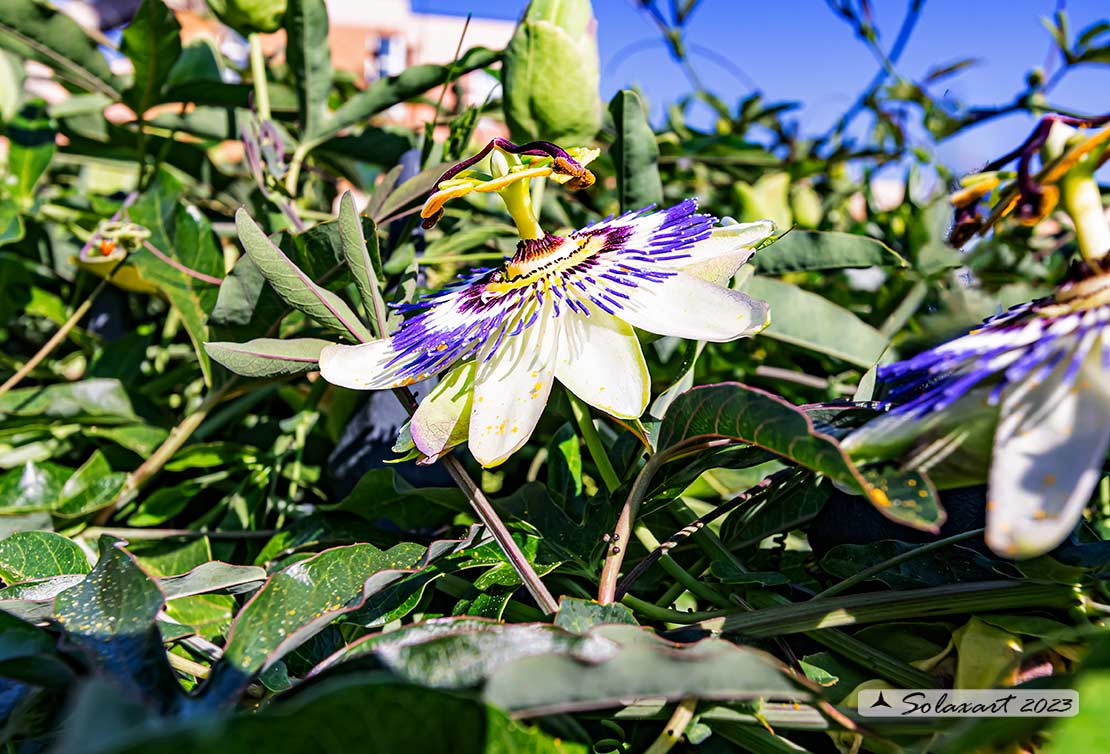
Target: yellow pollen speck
<point>923,493</point>
<point>990,505</point>
<point>1040,515</point>
<point>537,387</point>
<point>911,483</point>
<point>441,347</point>
<point>1049,480</point>
<point>879,497</point>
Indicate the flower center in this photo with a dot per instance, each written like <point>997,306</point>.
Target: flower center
<point>540,257</point>
<point>1086,293</point>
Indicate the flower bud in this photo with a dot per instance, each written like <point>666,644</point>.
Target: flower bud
<point>551,74</point>
<point>250,16</point>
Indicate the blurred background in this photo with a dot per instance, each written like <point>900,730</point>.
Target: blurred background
<point>803,51</point>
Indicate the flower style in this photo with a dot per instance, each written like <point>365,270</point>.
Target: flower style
<point>563,307</point>
<point>1043,368</point>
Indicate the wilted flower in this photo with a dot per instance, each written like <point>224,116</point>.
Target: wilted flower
<point>1043,368</point>
<point>563,307</point>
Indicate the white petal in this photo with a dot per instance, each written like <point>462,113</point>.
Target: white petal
<point>689,307</point>
<point>600,361</point>
<point>1048,453</point>
<point>361,367</point>
<point>511,389</point>
<point>442,419</point>
<point>718,257</point>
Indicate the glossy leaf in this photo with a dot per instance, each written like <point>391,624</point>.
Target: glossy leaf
<point>298,601</point>
<point>110,615</point>
<point>39,554</point>
<point>642,665</point>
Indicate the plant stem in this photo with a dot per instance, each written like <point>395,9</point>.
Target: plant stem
<point>675,727</point>
<point>489,518</point>
<point>666,615</point>
<point>878,568</point>
<point>593,442</point>
<point>258,77</point>
<point>295,161</point>
<point>680,574</point>
<point>853,609</point>
<point>1083,202</point>
<point>610,571</point>
<point>55,339</point>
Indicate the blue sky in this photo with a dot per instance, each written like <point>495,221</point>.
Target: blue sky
<point>798,50</point>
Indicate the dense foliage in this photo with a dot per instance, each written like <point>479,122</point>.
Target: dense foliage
<point>207,546</point>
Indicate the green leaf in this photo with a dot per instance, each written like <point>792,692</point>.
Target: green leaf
<point>101,399</point>
<point>578,615</point>
<point>804,250</point>
<point>635,153</point>
<point>811,321</point>
<point>462,652</point>
<point>948,566</point>
<point>387,92</point>
<point>364,261</point>
<point>111,615</point>
<point>300,600</point>
<point>30,149</point>
<point>294,286</point>
<point>407,193</point>
<point>182,233</point>
<point>30,555</point>
<point>213,577</point>
<point>34,30</point>
<point>152,41</point>
<point>90,488</point>
<point>384,494</point>
<point>31,486</point>
<point>754,417</point>
<point>30,654</point>
<point>268,357</point>
<point>309,56</point>
<point>639,664</point>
